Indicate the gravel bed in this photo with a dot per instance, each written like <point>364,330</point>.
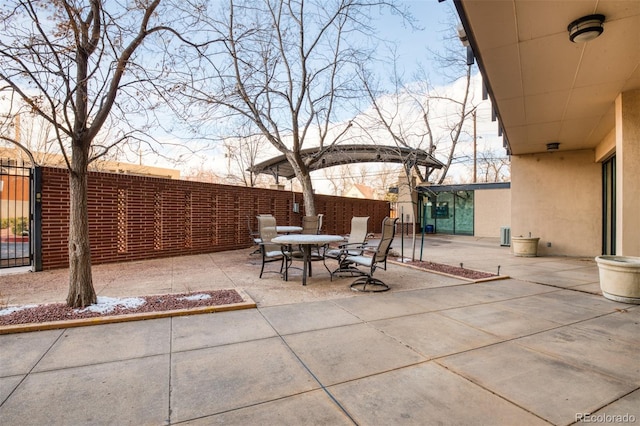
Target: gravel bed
<point>451,270</point>
<point>111,306</point>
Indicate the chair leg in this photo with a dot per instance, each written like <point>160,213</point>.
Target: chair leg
<point>262,268</point>
<point>347,268</point>
<point>369,284</point>
<point>285,262</point>
<point>324,262</point>
<point>282,266</point>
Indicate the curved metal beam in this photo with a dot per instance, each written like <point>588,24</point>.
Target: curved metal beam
<point>348,154</point>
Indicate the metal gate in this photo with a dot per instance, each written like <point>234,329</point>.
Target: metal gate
<point>16,214</point>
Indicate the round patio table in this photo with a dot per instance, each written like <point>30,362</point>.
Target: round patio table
<point>305,241</point>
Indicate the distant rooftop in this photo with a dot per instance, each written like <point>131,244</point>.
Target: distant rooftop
<point>57,160</point>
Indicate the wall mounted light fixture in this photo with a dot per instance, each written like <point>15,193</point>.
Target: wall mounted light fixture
<point>553,146</point>
<point>586,28</point>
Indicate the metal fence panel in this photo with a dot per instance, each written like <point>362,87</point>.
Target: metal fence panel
<point>15,214</point>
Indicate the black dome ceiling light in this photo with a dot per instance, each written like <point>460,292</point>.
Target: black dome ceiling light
<point>586,28</point>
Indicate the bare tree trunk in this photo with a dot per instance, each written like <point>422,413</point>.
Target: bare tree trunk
<point>81,291</point>
<point>307,195</point>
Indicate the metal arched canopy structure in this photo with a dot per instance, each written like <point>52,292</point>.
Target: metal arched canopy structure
<point>338,155</point>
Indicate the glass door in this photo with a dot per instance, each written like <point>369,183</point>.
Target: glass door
<point>463,213</point>
<point>609,206</point>
<point>449,213</point>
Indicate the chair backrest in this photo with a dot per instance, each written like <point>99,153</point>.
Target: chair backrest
<point>388,232</point>
<point>358,233</point>
<point>310,224</point>
<point>267,229</point>
<point>250,226</point>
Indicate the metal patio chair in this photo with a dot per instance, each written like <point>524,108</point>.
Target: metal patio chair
<point>311,226</point>
<point>353,247</point>
<point>254,235</point>
<point>271,252</point>
<point>374,258</point>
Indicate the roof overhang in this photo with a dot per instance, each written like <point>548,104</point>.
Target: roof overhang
<point>463,187</point>
<point>337,155</point>
<point>545,88</point>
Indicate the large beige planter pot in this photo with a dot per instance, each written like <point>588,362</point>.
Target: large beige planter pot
<point>620,278</point>
<point>525,246</point>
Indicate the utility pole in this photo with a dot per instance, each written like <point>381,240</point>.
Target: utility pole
<point>475,148</point>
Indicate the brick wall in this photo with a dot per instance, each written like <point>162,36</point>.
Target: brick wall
<point>135,218</point>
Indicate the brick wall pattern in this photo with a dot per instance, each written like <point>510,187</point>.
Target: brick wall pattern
<point>135,217</point>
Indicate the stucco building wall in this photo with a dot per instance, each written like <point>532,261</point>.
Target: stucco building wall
<point>628,173</point>
<point>557,196</point>
<point>492,211</point>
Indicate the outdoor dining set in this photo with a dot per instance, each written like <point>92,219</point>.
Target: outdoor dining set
<point>306,243</point>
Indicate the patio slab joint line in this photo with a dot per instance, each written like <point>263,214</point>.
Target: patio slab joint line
<point>28,373</point>
<point>489,390</point>
<point>304,365</point>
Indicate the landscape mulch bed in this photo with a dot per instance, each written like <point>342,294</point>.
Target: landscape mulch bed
<point>47,316</point>
<point>455,271</point>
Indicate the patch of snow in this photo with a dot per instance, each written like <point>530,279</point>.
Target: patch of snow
<point>12,309</point>
<point>194,297</point>
<point>109,304</point>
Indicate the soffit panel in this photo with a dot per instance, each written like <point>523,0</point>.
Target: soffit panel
<point>528,148</point>
<point>546,107</point>
<point>502,11</point>
<point>591,101</point>
<point>576,135</point>
<point>504,63</point>
<point>546,62</point>
<point>534,137</point>
<point>543,133</point>
<point>546,70</point>
<point>513,111</point>
<point>634,81</point>
<point>605,125</point>
<point>519,134</point>
<point>610,58</point>
<point>535,22</point>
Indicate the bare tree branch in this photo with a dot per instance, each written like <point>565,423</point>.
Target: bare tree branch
<point>73,63</point>
<point>289,66</point>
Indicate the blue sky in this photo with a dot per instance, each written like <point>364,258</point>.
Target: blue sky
<point>436,20</point>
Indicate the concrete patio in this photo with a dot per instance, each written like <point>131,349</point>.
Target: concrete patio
<point>543,347</point>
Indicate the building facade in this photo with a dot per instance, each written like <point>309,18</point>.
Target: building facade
<point>569,107</point>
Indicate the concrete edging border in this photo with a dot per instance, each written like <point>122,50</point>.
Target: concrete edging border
<point>479,280</point>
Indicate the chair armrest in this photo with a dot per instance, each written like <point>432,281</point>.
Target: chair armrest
<point>347,249</point>
<point>369,249</point>
<point>347,245</point>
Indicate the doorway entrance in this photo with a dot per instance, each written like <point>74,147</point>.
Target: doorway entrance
<point>450,212</point>
<point>609,206</point>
